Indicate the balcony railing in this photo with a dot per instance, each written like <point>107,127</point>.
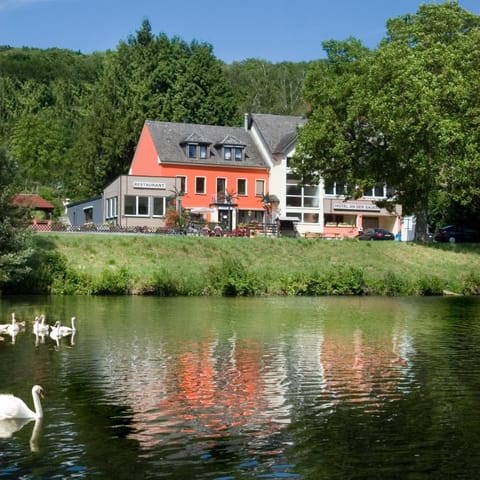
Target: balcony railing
<point>223,199</point>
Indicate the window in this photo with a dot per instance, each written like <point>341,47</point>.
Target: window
<point>227,153</point>
<point>334,220</point>
<point>88,212</point>
<point>135,205</point>
<point>376,191</point>
<point>182,184</point>
<point>203,151</point>
<point>159,206</point>
<point>259,188</point>
<point>304,217</point>
<point>238,154</point>
<point>200,183</point>
<point>221,185</point>
<point>335,188</point>
<point>241,186</point>
<point>192,150</point>
<point>112,208</point>
<point>301,196</point>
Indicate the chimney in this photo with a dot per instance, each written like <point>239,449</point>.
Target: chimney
<point>247,121</point>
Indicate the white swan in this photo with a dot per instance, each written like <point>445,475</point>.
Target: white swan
<point>11,327</point>
<point>13,407</point>
<point>68,330</point>
<point>39,326</point>
<point>55,333</point>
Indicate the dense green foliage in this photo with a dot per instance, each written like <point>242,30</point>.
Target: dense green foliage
<point>71,121</point>
<point>406,114</point>
<point>16,249</point>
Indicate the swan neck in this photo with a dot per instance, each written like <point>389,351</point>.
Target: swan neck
<point>37,405</point>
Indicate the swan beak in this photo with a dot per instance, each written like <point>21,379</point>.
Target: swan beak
<point>42,393</point>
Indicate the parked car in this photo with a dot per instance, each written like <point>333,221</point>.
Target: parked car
<point>375,234</point>
<point>456,233</point>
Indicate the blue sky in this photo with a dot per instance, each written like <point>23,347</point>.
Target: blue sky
<point>274,30</point>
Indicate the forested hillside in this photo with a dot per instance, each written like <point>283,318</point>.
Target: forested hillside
<point>71,121</point>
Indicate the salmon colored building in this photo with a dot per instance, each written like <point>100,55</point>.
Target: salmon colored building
<point>221,174</point>
<point>235,176</point>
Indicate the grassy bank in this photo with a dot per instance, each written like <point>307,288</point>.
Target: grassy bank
<point>155,265</point>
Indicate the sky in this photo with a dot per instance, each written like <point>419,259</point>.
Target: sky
<point>272,30</point>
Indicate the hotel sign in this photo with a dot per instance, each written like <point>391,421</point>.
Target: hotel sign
<point>365,207</point>
<point>153,185</point>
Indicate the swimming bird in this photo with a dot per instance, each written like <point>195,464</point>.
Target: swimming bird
<point>39,326</point>
<point>64,330</point>
<point>55,333</point>
<point>14,407</point>
<point>15,326</point>
<point>9,327</point>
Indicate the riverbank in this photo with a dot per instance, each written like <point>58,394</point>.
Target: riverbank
<point>105,264</point>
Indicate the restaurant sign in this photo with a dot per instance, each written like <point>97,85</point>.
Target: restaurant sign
<point>153,185</point>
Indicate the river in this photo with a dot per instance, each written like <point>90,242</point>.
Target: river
<point>245,388</point>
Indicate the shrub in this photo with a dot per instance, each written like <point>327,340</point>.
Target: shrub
<point>341,280</point>
<point>471,283</point>
<point>232,279</point>
<point>113,282</point>
<point>429,285</point>
<point>393,285</point>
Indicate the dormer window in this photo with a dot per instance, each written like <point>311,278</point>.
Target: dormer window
<point>230,153</point>
<point>195,150</point>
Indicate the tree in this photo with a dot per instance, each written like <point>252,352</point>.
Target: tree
<point>15,243</point>
<point>411,116</point>
<point>149,77</point>
<point>326,146</point>
<point>264,87</point>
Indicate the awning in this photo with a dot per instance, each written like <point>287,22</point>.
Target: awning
<point>202,210</point>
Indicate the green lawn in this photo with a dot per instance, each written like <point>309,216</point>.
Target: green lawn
<point>278,264</point>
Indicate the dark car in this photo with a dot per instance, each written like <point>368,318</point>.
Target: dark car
<point>456,233</point>
<point>376,234</point>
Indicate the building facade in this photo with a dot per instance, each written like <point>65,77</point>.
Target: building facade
<point>220,173</point>
<point>133,201</point>
<point>235,176</point>
<point>318,209</point>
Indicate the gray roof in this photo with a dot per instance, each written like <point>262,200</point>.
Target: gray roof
<point>278,131</point>
<point>170,139</point>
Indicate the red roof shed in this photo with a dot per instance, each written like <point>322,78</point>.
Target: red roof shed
<point>33,201</point>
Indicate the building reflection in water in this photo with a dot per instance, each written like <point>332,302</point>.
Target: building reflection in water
<point>214,387</point>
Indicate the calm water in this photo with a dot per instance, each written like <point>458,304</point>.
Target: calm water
<point>311,388</point>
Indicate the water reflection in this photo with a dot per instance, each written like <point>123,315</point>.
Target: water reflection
<point>10,426</point>
<point>240,388</point>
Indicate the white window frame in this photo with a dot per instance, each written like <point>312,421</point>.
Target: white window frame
<point>245,193</point>
<point>164,206</point>
<point>204,185</point>
<point>259,182</point>
<point>137,203</point>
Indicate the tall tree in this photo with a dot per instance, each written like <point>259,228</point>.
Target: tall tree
<point>150,77</point>
<point>326,143</point>
<point>264,87</point>
<point>411,114</point>
<point>15,243</point>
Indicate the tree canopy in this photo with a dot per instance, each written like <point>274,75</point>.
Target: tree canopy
<point>71,121</point>
<point>405,114</point>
